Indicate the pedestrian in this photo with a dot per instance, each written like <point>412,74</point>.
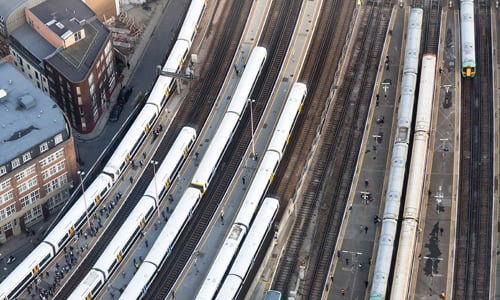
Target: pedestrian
<point>366,182</point>
<point>147,244</point>
<point>361,228</point>
<point>123,274</point>
<point>342,291</point>
<point>347,261</point>
<point>366,229</point>
<point>243,179</point>
<point>128,65</point>
<point>366,283</point>
<point>131,179</point>
<point>441,230</point>
<point>144,154</point>
<point>350,207</point>
<point>141,163</point>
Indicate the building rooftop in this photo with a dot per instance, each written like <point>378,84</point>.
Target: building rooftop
<point>30,39</point>
<point>27,116</point>
<point>70,16</point>
<point>8,6</point>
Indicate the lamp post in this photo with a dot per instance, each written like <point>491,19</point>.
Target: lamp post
<point>81,173</point>
<point>251,124</point>
<point>154,163</point>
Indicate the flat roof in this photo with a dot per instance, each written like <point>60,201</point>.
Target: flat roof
<point>8,6</point>
<point>25,126</point>
<point>34,42</point>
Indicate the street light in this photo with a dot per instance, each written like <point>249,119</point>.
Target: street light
<point>154,163</point>
<point>251,124</point>
<point>81,173</point>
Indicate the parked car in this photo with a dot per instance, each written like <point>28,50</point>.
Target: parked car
<point>125,93</point>
<point>115,112</point>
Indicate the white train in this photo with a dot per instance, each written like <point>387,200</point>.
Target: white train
<point>163,245</point>
<point>132,228</point>
<point>255,193</point>
<point>249,250</point>
<point>467,38</point>
<point>43,254</point>
<point>403,268</point>
<point>399,158</point>
<point>221,139</point>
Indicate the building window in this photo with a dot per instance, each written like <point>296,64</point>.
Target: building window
<point>44,147</point>
<point>5,185</point>
<point>53,170</point>
<point>7,226</point>
<point>49,159</point>
<point>27,185</point>
<point>6,197</point>
<point>58,199</point>
<point>9,210</point>
<point>58,138</point>
<point>33,215</point>
<point>15,163</point>
<point>30,198</point>
<point>56,183</point>
<point>78,36</point>
<point>3,170</point>
<point>26,157</point>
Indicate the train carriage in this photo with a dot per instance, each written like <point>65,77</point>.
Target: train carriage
<point>131,142</point>
<point>288,117</point>
<point>426,93</point>
<point>89,287</point>
<point>23,274</point>
<point>467,38</point>
<point>164,244</point>
<point>170,166</point>
<point>396,181</point>
<point>214,153</point>
<point>219,267</point>
<point>74,219</point>
<point>164,84</point>
<point>128,233</point>
<point>414,35</point>
<point>258,187</point>
<point>192,20</point>
<point>384,259</point>
<point>249,249</point>
<point>248,80</point>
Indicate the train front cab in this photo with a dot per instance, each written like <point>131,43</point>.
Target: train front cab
<point>468,71</point>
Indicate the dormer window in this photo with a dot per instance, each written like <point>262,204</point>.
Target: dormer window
<point>78,36</point>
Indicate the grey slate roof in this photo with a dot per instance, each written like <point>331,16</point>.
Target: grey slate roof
<point>30,39</point>
<point>24,128</point>
<point>8,6</point>
<point>75,61</point>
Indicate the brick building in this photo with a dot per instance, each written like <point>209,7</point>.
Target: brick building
<point>66,51</point>
<point>37,154</point>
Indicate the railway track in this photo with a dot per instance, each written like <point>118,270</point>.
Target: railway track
<point>332,173</point>
<point>198,106</point>
<point>277,44</point>
<point>472,263</point>
<point>432,27</point>
<point>357,92</point>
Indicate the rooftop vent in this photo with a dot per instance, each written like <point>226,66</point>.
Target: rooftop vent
<point>3,96</point>
<point>26,102</point>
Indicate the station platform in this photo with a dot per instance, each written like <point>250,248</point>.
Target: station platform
<point>435,250</point>
<point>361,227</point>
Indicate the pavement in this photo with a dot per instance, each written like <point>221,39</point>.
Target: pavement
<point>90,146</point>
